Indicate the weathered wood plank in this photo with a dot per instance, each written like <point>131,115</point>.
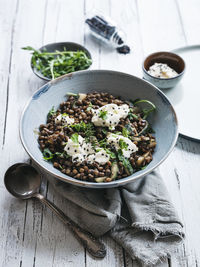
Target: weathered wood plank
<point>180,170</point>
<point>189,16</point>
<point>160,25</point>
<point>26,30</point>
<point>183,183</point>
<point>63,22</point>
<point>7,27</point>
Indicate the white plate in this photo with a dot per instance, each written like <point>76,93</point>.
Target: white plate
<point>186,95</point>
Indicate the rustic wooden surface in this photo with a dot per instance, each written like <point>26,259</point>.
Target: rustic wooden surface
<point>30,235</point>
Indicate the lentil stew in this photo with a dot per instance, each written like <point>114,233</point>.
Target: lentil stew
<point>97,137</point>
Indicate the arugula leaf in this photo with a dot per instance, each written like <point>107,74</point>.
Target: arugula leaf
<point>103,143</point>
<point>128,167</point>
<point>104,131</point>
<point>118,133</point>
<point>129,128</point>
<point>125,132</point>
<point>72,94</point>
<point>142,168</point>
<point>126,163</point>
<point>47,154</point>
<point>123,144</point>
<point>55,64</point>
<point>30,48</point>
<point>65,115</point>
<point>146,111</point>
<point>120,155</point>
<point>103,114</point>
<point>52,112</point>
<point>62,155</point>
<point>74,137</point>
<point>132,116</point>
<point>93,140</point>
<point>89,130</point>
<point>110,153</point>
<point>79,127</point>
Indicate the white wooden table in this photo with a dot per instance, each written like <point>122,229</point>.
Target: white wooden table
<point>30,235</point>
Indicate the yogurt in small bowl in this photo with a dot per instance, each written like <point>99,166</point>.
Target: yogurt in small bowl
<point>163,69</point>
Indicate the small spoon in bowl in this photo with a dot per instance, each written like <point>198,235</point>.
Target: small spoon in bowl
<point>23,181</point>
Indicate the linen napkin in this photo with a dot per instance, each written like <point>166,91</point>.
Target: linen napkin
<point>139,216</point>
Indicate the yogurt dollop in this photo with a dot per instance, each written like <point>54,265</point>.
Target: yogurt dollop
<point>114,139</point>
<point>64,119</point>
<point>81,151</point>
<point>109,115</point>
<point>161,70</point>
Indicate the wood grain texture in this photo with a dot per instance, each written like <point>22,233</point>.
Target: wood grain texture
<point>30,234</point>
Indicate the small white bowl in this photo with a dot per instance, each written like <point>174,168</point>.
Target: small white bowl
<point>173,60</point>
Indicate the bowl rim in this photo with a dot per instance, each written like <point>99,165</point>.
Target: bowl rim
<point>163,79</point>
<point>87,184</point>
<point>39,75</point>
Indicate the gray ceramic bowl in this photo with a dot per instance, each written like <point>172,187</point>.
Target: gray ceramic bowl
<point>69,46</point>
<point>172,60</point>
<point>163,121</point>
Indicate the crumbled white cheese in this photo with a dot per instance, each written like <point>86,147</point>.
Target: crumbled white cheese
<point>101,157</point>
<point>83,151</point>
<point>64,119</point>
<point>112,115</point>
<point>114,139</point>
<point>161,70</point>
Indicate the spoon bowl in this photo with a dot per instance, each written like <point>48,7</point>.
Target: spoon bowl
<point>22,180</point>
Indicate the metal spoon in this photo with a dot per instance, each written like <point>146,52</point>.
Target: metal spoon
<point>23,181</point>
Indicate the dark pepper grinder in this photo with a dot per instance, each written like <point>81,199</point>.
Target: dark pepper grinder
<point>105,29</point>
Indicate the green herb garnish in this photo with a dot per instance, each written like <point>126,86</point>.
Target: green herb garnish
<point>65,115</point>
<point>125,132</point>
<point>72,94</point>
<point>126,163</point>
<point>123,144</point>
<point>146,111</point>
<point>89,107</point>
<point>55,64</point>
<point>47,154</point>
<point>132,116</point>
<point>52,112</point>
<point>88,128</point>
<point>129,129</point>
<point>93,140</point>
<point>118,133</point>
<point>79,127</point>
<point>110,153</point>
<point>104,131</point>
<point>103,114</point>
<point>74,137</point>
<point>62,155</point>
<point>103,143</point>
<point>142,168</point>
<point>128,167</point>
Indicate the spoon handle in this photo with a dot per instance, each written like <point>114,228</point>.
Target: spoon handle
<point>93,245</point>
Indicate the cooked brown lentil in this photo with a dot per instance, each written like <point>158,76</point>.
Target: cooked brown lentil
<point>53,137</point>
